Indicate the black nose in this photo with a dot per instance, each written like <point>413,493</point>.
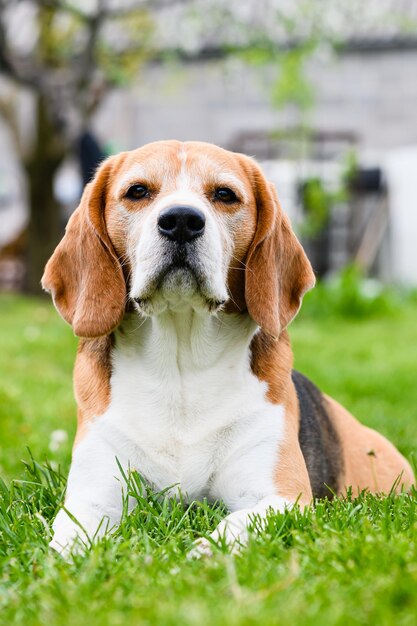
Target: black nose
<point>181,223</point>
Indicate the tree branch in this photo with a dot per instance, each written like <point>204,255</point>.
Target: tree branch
<point>8,113</point>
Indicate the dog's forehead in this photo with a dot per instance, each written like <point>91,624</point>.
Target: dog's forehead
<point>174,163</point>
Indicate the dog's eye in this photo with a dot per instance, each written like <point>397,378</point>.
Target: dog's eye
<point>137,192</point>
<point>226,195</point>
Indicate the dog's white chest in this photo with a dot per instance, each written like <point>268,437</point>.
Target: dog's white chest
<point>184,403</point>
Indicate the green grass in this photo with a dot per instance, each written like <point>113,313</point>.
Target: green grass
<point>347,562</point>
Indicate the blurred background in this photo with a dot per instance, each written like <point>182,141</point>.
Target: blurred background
<point>323,93</point>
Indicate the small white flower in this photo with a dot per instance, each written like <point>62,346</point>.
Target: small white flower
<point>58,437</point>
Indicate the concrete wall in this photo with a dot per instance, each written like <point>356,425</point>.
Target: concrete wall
<point>373,95</point>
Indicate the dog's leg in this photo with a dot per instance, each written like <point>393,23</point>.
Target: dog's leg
<point>94,496</point>
<point>257,479</point>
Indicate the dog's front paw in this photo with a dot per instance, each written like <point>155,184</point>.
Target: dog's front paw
<point>68,538</point>
<point>232,533</point>
<point>67,547</point>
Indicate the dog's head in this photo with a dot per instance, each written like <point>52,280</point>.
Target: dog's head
<point>178,224</point>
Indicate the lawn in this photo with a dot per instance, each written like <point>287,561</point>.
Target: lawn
<point>346,562</point>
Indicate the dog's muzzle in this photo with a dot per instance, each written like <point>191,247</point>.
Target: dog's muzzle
<point>184,272</point>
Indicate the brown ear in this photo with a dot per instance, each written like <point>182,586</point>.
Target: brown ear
<point>84,275</point>
<point>278,272</point>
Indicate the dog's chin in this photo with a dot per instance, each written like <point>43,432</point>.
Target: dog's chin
<point>179,283</point>
<point>178,289</point>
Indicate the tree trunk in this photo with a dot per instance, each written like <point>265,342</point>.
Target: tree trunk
<point>45,228</point>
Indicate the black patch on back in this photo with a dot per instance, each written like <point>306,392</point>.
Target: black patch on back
<point>319,441</point>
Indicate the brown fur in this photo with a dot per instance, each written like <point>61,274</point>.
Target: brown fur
<point>278,272</point>
<point>92,380</point>
<point>272,362</point>
<point>370,460</point>
<point>84,274</point>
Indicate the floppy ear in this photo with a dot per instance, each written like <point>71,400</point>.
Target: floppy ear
<point>84,275</point>
<point>278,272</point>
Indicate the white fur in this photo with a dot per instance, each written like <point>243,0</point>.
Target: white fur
<point>186,412</point>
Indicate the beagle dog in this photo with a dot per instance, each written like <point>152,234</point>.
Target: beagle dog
<point>180,274</point>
